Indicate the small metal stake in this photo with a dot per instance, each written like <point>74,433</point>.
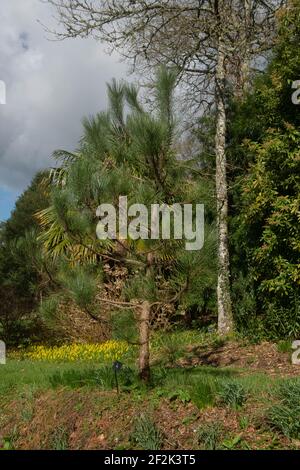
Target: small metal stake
<point>117,366</point>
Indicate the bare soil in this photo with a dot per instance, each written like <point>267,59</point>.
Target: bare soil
<point>263,357</point>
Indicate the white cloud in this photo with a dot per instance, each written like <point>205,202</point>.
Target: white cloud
<point>51,85</point>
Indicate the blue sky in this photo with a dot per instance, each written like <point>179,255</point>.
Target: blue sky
<point>7,202</point>
<point>50,87</point>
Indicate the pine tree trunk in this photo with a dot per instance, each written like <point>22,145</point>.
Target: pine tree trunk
<point>225,323</point>
<point>144,331</point>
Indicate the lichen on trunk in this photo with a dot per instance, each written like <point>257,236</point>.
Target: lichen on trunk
<point>225,322</point>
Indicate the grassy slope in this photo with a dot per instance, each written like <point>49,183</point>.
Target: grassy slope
<point>67,405</point>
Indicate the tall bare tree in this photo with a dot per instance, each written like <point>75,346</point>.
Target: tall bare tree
<point>212,43</point>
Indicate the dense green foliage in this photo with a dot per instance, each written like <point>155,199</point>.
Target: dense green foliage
<point>130,150</point>
<point>64,290</point>
<point>23,268</point>
<point>264,152</point>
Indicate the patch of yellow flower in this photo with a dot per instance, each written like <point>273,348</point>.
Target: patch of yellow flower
<point>102,352</point>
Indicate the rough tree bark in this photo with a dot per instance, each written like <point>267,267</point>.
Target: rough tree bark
<point>225,322</point>
<point>144,338</point>
<point>244,76</point>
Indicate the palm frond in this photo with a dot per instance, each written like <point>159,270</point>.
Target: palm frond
<point>65,156</point>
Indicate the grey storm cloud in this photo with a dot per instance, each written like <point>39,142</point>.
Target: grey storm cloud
<point>50,85</point>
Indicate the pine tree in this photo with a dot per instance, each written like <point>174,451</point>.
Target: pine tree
<point>127,151</point>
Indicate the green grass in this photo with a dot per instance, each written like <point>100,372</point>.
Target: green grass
<point>284,346</point>
<point>180,337</point>
<point>209,435</point>
<point>205,384</point>
<point>146,434</point>
<point>198,384</point>
<point>102,377</point>
<point>18,375</point>
<point>9,440</point>
<point>233,394</point>
<point>168,348</point>
<point>285,415</point>
<point>59,439</point>
<point>201,385</point>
